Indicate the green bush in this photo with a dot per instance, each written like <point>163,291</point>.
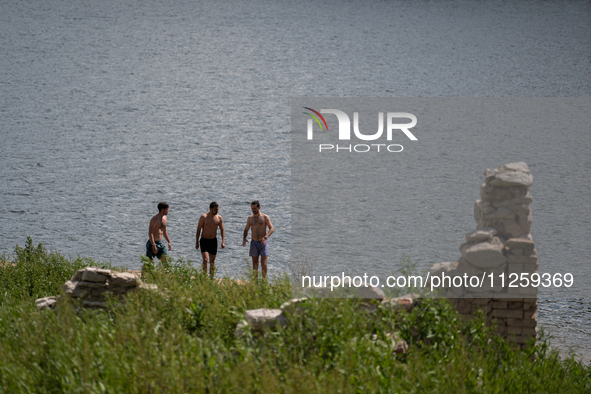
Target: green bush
<point>38,273</point>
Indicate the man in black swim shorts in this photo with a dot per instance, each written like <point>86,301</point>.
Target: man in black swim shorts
<point>209,223</point>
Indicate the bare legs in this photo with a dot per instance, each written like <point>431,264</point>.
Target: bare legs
<point>211,258</point>
<point>255,265</point>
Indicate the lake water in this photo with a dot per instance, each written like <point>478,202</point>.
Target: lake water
<point>107,108</point>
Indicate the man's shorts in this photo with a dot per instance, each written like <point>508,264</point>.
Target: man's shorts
<point>209,245</point>
<point>160,250</point>
<point>258,249</point>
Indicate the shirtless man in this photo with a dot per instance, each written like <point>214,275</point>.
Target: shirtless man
<point>157,229</point>
<point>209,223</point>
<point>259,246</point>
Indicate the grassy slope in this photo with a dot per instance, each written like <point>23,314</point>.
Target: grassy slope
<point>184,342</point>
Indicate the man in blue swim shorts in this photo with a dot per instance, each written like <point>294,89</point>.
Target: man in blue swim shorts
<point>157,230</point>
<point>259,245</point>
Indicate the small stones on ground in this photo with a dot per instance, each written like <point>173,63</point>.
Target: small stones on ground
<point>400,304</point>
<point>46,302</point>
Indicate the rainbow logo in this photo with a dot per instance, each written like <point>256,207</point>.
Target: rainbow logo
<point>315,118</point>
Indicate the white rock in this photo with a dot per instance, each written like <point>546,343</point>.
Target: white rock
<point>259,319</point>
<point>485,255</point>
<point>94,274</point>
<point>520,166</point>
<point>122,279</point>
<point>480,235</point>
<point>512,179</point>
<point>46,302</point>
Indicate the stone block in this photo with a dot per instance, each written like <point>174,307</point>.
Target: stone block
<point>515,252</point>
<point>515,305</point>
<point>46,302</point>
<point>259,319</point>
<point>501,330</point>
<point>485,255</point>
<point>507,313</point>
<point>514,330</point>
<point>92,274</point>
<point>499,305</point>
<point>480,235</point>
<point>92,285</point>
<point>122,279</point>
<point>515,322</point>
<point>512,179</point>
<point>518,339</point>
<point>511,259</point>
<point>520,243</point>
<point>485,308</point>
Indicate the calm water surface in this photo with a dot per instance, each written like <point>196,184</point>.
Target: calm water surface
<point>107,108</point>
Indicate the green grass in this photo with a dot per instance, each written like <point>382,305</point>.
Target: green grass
<point>183,341</point>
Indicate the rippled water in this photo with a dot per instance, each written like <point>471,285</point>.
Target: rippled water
<point>107,108</point>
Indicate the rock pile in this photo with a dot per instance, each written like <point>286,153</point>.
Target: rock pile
<point>92,285</point>
<point>499,251</point>
<point>258,320</point>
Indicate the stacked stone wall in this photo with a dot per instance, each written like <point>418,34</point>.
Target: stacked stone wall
<point>501,245</point>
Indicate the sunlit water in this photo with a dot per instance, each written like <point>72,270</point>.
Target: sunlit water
<point>107,108</point>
